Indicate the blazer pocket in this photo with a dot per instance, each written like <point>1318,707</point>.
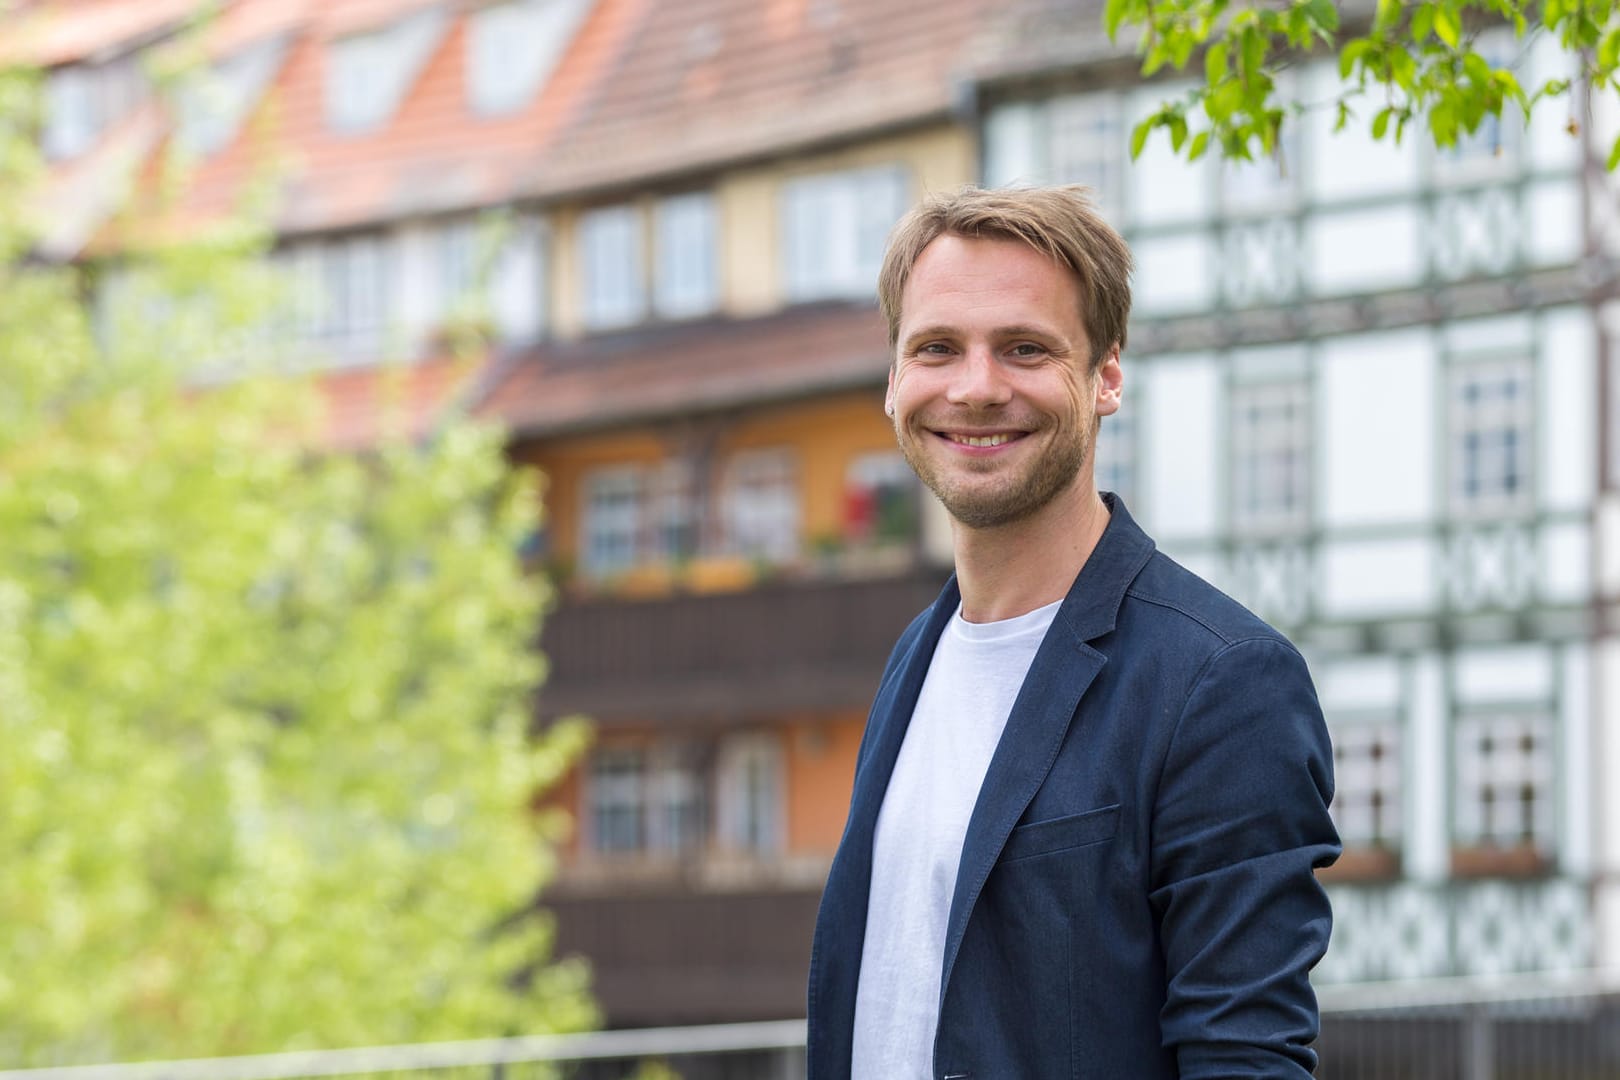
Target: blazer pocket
<point>1060,834</point>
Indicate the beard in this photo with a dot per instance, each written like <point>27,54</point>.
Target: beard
<point>983,500</point>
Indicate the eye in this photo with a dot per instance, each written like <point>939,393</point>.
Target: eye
<point>1027,350</point>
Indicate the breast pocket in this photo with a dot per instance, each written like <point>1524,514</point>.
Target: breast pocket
<point>1061,834</point>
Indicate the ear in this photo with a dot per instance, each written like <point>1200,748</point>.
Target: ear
<point>1110,380</point>
<point>888,395</point>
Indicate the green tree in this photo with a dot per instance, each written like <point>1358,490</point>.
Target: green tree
<point>265,770</point>
<point>1399,63</point>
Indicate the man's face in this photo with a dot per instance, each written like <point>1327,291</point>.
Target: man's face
<point>994,400</point>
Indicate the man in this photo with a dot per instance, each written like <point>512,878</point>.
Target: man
<point>1092,789</point>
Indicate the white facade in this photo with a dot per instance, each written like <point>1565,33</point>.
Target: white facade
<point>1365,396</point>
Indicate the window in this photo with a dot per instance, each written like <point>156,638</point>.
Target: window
<point>760,505</point>
<point>339,290</point>
<point>485,267</point>
<point>518,281</point>
<point>1075,139</point>
<point>672,511</point>
<point>84,100</point>
<point>610,258</point>
<point>1490,436</point>
<point>512,47</point>
<point>1115,452</point>
<point>678,821</point>
<point>685,281</point>
<point>749,794</point>
<point>834,228</point>
<point>213,104</point>
<point>1270,456</point>
<point>680,797</point>
<point>72,113</point>
<point>1504,780</point>
<point>612,520</point>
<point>1367,778</point>
<point>635,515</point>
<point>369,73</point>
<point>1085,145</point>
<point>458,263</point>
<point>618,809</point>
<point>880,501</point>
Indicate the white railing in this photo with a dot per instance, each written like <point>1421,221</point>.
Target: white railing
<point>784,1037</point>
<point>1469,1027</point>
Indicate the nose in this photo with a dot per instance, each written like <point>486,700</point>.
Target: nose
<point>978,381</point>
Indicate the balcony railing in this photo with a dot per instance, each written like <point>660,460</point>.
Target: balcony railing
<point>781,646</point>
<point>1558,1026</point>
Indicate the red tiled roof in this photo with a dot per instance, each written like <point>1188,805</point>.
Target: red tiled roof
<point>664,371</point>
<point>50,32</point>
<point>705,82</point>
<point>644,89</point>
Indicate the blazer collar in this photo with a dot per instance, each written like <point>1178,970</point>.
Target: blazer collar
<point>1092,606</point>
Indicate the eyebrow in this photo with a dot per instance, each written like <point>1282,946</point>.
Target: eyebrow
<point>942,330</point>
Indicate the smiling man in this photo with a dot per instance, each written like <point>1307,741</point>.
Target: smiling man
<point>1093,790</point>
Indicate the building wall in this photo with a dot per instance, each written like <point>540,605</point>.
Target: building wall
<point>824,435</point>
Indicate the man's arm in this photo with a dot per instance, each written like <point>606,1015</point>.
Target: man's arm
<point>1239,823</point>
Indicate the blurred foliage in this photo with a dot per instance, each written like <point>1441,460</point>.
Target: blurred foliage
<point>1410,62</point>
<point>266,778</point>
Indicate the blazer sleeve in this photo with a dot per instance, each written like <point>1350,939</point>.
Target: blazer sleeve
<point>1240,821</point>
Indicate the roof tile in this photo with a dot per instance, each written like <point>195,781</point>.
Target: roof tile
<point>664,371</point>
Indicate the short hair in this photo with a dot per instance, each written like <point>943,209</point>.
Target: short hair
<point>1061,223</point>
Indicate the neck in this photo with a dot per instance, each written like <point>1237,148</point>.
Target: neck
<point>1009,570</point>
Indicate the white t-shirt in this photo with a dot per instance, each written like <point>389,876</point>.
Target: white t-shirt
<point>972,682</point>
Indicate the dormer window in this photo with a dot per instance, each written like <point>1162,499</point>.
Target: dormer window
<point>82,101</point>
<point>512,47</point>
<point>370,73</point>
<point>213,105</point>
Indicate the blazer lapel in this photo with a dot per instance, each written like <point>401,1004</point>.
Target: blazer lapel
<point>1064,666</point>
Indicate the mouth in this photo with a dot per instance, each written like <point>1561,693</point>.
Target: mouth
<point>981,441</point>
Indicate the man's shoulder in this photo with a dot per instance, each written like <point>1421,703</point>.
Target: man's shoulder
<point>1172,601</point>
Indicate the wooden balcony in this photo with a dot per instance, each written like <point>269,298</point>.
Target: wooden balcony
<point>718,659</point>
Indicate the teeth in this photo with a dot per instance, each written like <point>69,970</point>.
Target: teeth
<point>981,440</point>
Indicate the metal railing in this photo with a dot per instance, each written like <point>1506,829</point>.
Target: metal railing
<point>773,1050</point>
<point>1525,1027</point>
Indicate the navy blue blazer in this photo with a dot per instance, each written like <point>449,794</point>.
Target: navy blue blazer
<point>1135,897</point>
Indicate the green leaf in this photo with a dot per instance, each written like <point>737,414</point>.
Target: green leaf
<point>1614,156</point>
<point>1608,50</point>
<point>1324,13</point>
<point>1114,12</point>
<point>1215,63</point>
<point>1352,52</point>
<point>1422,22</point>
<point>1447,25</point>
<point>1443,122</point>
<point>1254,54</point>
<point>1178,131</point>
<point>1380,122</point>
<point>1342,118</point>
<point>1198,146</point>
<point>1139,136</point>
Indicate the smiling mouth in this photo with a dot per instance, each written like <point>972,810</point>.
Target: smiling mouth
<point>999,439</point>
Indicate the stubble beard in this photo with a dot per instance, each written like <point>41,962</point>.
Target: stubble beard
<point>999,500</point>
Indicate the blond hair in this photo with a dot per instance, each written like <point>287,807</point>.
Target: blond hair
<point>1061,223</point>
